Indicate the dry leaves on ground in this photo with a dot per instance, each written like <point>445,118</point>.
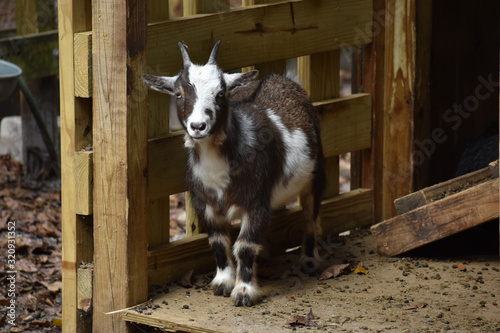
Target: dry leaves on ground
<point>30,213</point>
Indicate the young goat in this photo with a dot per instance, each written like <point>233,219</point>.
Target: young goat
<point>253,146</point>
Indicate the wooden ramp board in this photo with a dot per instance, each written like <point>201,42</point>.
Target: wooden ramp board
<point>438,219</point>
<point>429,194</point>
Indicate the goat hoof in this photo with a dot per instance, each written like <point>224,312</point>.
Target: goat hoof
<point>222,290</point>
<point>243,300</point>
<point>246,295</point>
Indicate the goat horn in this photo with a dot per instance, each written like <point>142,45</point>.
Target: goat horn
<point>185,55</point>
<point>213,55</point>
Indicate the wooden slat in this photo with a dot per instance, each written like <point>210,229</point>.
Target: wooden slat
<point>120,128</point>
<point>163,324</point>
<point>170,261</point>
<point>274,32</point>
<point>75,117</point>
<point>83,64</point>
<point>83,181</point>
<point>427,195</point>
<point>167,163</point>
<point>346,211</point>
<point>347,120</point>
<point>438,219</point>
<point>346,124</point>
<point>343,212</point>
<point>85,276</point>
<point>158,124</point>
<point>320,76</point>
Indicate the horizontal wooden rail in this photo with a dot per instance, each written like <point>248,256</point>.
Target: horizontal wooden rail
<point>253,35</point>
<point>350,210</point>
<point>347,119</point>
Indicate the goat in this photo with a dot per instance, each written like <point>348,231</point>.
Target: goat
<point>253,146</point>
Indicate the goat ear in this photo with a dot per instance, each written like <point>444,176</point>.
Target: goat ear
<point>236,80</point>
<point>163,84</point>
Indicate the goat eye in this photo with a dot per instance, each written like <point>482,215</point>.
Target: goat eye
<point>220,94</point>
<point>178,95</point>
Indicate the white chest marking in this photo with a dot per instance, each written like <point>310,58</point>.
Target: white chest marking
<point>212,170</point>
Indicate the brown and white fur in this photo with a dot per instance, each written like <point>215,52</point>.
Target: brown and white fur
<point>253,146</point>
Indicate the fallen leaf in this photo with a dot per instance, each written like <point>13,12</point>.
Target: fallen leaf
<point>303,320</point>
<point>26,265</point>
<point>461,267</point>
<point>420,305</point>
<point>360,269</point>
<point>334,271</point>
<point>185,280</point>
<point>57,322</point>
<point>290,298</point>
<point>53,287</point>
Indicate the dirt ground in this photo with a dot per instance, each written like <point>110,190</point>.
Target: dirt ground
<point>452,285</point>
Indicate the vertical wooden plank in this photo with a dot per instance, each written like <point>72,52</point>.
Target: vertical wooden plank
<point>399,98</point>
<point>368,163</point>
<point>120,160</point>
<point>158,124</point>
<point>74,16</point>
<point>320,76</point>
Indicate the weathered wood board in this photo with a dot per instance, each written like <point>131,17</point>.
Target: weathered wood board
<point>427,195</point>
<point>438,219</point>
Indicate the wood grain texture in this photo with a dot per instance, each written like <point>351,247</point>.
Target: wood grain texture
<point>158,124</point>
<point>83,64</point>
<point>75,116</point>
<point>83,181</point>
<point>320,77</point>
<point>162,323</point>
<point>438,219</point>
<point>168,262</point>
<point>420,198</point>
<point>120,160</point>
<point>274,31</point>
<point>399,97</point>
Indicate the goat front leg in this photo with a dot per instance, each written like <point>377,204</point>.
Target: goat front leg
<point>220,242</point>
<point>246,249</point>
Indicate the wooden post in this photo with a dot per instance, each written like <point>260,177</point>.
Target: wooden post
<point>397,172</point>
<point>159,123</point>
<point>319,74</point>
<point>120,160</point>
<point>74,16</point>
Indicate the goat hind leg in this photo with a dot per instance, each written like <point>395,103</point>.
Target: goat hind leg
<point>310,257</point>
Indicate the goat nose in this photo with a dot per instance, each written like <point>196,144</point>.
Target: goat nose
<point>198,127</point>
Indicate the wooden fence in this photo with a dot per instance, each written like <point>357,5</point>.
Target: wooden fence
<point>120,162</point>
